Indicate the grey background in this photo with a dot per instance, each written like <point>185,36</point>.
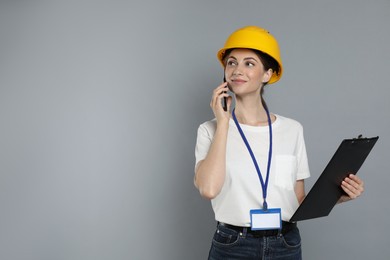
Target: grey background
<point>100,102</point>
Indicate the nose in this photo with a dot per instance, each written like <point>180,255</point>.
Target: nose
<point>237,71</point>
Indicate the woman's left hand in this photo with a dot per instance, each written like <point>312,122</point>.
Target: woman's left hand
<point>353,187</point>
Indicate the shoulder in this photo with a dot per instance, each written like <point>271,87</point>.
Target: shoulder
<point>289,123</point>
<point>208,127</point>
<point>209,124</point>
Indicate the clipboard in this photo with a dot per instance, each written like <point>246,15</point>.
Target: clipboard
<point>326,191</point>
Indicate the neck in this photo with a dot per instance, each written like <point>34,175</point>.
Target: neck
<point>251,111</point>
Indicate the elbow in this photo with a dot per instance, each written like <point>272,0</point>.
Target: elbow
<point>209,187</point>
<point>208,194</point>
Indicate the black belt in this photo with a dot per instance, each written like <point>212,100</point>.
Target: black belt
<point>286,227</point>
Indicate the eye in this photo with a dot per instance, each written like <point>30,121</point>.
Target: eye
<point>250,64</point>
<point>231,63</point>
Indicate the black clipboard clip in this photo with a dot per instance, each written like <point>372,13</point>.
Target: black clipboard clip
<point>360,137</point>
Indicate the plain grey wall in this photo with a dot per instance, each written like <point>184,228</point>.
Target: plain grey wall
<point>100,102</point>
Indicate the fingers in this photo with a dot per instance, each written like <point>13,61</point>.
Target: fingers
<point>229,102</point>
<point>218,94</point>
<point>353,186</point>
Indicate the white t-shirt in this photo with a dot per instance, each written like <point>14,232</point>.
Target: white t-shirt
<point>242,190</point>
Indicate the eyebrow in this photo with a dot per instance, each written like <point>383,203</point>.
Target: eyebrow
<point>247,58</point>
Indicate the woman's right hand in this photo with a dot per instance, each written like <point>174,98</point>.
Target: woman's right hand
<point>216,102</point>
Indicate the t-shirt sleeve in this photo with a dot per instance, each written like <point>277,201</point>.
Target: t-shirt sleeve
<point>303,165</point>
<point>203,142</point>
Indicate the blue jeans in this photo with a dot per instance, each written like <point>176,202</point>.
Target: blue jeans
<point>228,244</point>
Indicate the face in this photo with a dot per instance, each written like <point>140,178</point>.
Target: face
<point>244,72</point>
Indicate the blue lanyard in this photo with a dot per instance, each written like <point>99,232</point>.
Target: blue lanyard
<point>264,185</point>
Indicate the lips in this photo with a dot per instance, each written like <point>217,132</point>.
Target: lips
<point>238,81</point>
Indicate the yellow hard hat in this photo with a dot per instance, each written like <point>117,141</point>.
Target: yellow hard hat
<point>256,38</point>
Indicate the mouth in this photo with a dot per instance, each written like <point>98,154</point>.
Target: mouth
<point>238,81</point>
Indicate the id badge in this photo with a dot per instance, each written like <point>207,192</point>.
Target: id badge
<point>266,220</point>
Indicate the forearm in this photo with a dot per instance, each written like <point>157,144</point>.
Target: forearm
<point>300,190</point>
<point>210,173</point>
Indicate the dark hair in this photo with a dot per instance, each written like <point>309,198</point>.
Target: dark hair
<point>268,63</point>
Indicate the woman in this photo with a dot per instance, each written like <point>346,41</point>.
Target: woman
<point>251,163</point>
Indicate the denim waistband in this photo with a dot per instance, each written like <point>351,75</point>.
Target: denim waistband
<point>286,227</point>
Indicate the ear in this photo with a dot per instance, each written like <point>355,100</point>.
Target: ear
<point>267,75</point>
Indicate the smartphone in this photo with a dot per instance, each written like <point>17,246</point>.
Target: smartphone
<point>224,102</point>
